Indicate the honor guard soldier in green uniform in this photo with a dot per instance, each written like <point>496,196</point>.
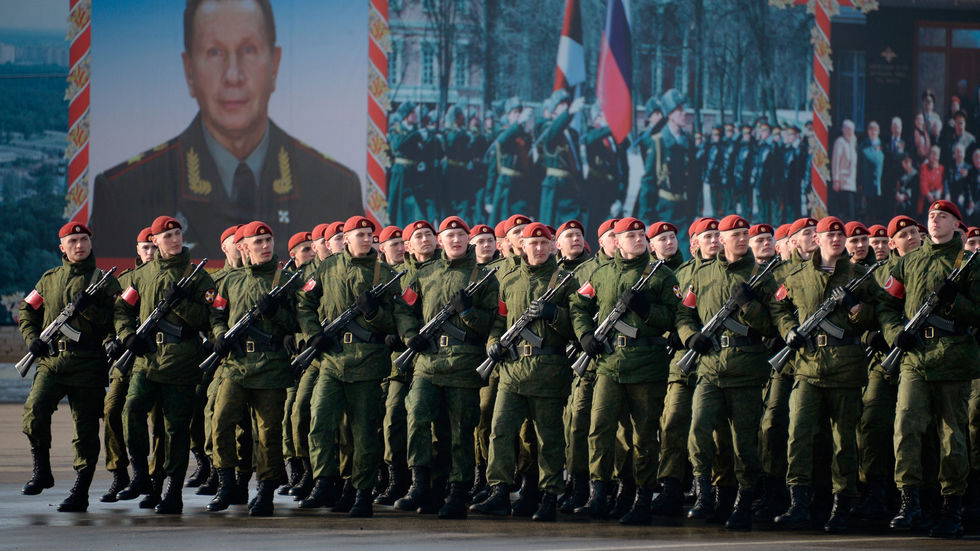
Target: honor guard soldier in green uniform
<point>116,458</point>
<point>70,367</point>
<point>878,240</point>
<point>166,369</point>
<point>561,190</point>
<point>534,380</point>
<point>761,243</point>
<point>742,171</point>
<point>651,151</point>
<point>936,369</point>
<point>459,190</point>
<point>351,370</point>
<point>732,370</point>
<point>857,244</point>
<point>663,244</point>
<point>256,374</point>
<point>570,242</point>
<point>405,142</point>
<point>829,370</point>
<point>606,178</point>
<point>484,244</point>
<point>678,187</point>
<point>633,376</point>
<point>512,153</point>
<point>445,381</point>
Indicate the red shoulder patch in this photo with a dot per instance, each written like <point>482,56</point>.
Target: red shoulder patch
<point>690,299</point>
<point>219,302</point>
<point>34,299</point>
<point>130,296</point>
<point>501,308</point>
<point>410,296</point>
<point>781,292</point>
<point>310,285</point>
<point>586,290</point>
<point>894,287</point>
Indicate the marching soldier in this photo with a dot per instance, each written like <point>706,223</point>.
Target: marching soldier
<point>478,169</point>
<point>562,186</point>
<point>742,169</point>
<point>793,169</point>
<point>728,158</point>
<point>764,174</point>
<point>606,180</point>
<point>714,164</point>
<point>878,240</point>
<point>405,142</point>
<point>511,150</point>
<point>570,242</point>
<point>459,190</point>
<point>663,244</point>
<point>68,367</point>
<point>857,244</point>
<point>676,184</point>
<point>484,244</point>
<point>761,243</point>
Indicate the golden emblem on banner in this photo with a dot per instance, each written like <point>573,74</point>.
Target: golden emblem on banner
<point>198,185</point>
<point>284,183</point>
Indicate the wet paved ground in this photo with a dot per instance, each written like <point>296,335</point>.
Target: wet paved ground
<point>31,522</point>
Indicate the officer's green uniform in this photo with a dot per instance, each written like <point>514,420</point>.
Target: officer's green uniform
<point>406,147</point>
<point>935,379</point>
<point>488,393</point>
<point>298,409</point>
<point>512,163</point>
<point>535,385</point>
<point>169,374</point>
<point>253,386</point>
<point>561,188</point>
<point>350,378</point>
<point>76,369</point>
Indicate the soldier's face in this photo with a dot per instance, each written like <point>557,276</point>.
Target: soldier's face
<point>259,248</point>
<point>607,242</point>
<point>632,243</point>
<point>709,242</point>
<point>170,242</point>
<point>503,245</point>
<point>831,244</point>
<point>571,243</point>
<point>359,241</point>
<point>972,244</point>
<point>303,253</point>
<point>423,242</point>
<point>880,247</point>
<point>321,248</point>
<point>664,245</point>
<point>804,240</point>
<point>231,68</point>
<point>906,240</point>
<point>537,250</point>
<point>736,242</point>
<point>676,117</point>
<point>941,225</point>
<point>454,242</point>
<point>228,247</point>
<point>76,246</point>
<point>394,250</point>
<point>514,236</point>
<point>484,245</point>
<point>146,250</point>
<point>857,246</point>
<point>762,246</point>
<point>336,243</point>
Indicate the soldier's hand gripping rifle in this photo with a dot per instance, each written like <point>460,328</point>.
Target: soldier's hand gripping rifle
<point>434,326</point>
<point>612,321</point>
<point>818,319</point>
<point>331,329</point>
<point>518,330</point>
<point>723,318</point>
<point>918,322</point>
<point>60,324</point>
<point>164,307</point>
<point>237,331</point>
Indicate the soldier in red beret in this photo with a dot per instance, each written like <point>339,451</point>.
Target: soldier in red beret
<point>972,242</point>
<point>301,248</point>
<point>761,243</point>
<point>500,234</point>
<point>858,242</point>
<point>878,240</point>
<point>663,244</point>
<point>484,244</point>
<point>570,242</point>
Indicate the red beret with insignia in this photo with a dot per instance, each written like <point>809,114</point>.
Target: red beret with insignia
<point>855,228</point>
<point>165,223</point>
<point>829,224</point>
<point>389,233</point>
<point>73,228</point>
<point>454,223</point>
<point>705,224</point>
<point>416,225</point>
<point>256,228</point>
<point>570,225</point>
<point>947,206</point>
<point>299,238</point>
<point>536,229</point>
<point>972,231</point>
<point>801,224</point>
<point>229,232</point>
<point>608,225</point>
<point>659,228</point>
<point>629,224</point>
<point>500,230</point>
<point>319,230</point>
<point>878,230</point>
<point>759,229</point>
<point>516,220</point>
<point>146,234</point>
<point>733,222</point>
<point>334,228</point>
<point>239,232</point>
<point>899,223</point>
<point>358,223</point>
<point>480,229</point>
<point>782,232</point>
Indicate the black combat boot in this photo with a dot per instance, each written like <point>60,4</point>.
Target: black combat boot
<point>931,502</point>
<point>496,504</point>
<point>262,505</point>
<point>909,516</point>
<point>640,514</point>
<point>950,522</point>
<point>479,481</point>
<point>226,491</point>
<point>381,481</point>
<point>346,501</point>
<point>724,503</point>
<point>304,485</point>
<point>625,495</point>
<point>670,501</point>
<point>741,517</point>
<point>203,470</point>
<point>528,496</point>
<point>596,507</point>
<point>363,506</point>
<point>42,478</point>
<point>548,511</point>
<point>482,494</point>
<point>77,500</point>
<point>240,497</point>
<point>397,485</point>
<point>295,473</point>
<point>153,498</point>
<point>874,505</point>
<point>417,492</point>
<point>140,484</point>
<point>455,506</point>
<point>837,523</point>
<point>210,486</point>
<point>704,503</point>
<point>172,502</point>
<point>774,500</point>
<point>433,501</point>
<point>797,517</point>
<point>566,494</point>
<point>120,479</point>
<point>323,494</point>
<point>580,494</point>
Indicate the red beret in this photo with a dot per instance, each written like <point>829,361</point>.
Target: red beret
<point>947,206</point>
<point>878,231</point>
<point>705,224</point>
<point>551,229</point>
<point>146,234</point>
<point>759,229</point>
<point>829,224</point>
<point>899,223</point>
<point>608,225</point>
<point>299,238</point>
<point>691,229</point>
<point>536,229</point>
<point>628,224</point>
<point>454,223</point>
<point>972,231</point>
<point>480,229</point>
<point>922,227</point>
<point>570,225</point>
<point>230,232</point>
<point>782,232</point>
<point>319,230</point>
<point>500,230</point>
<point>357,223</point>
<point>854,229</point>
<point>333,229</point>
<point>255,228</point>
<point>733,222</point>
<point>417,225</point>
<point>516,220</point>
<point>659,228</point>
<point>73,228</point>
<point>800,224</point>
<point>164,223</point>
<point>389,233</point>
<point>239,232</point>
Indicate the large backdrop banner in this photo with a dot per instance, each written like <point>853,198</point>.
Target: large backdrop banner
<point>223,113</point>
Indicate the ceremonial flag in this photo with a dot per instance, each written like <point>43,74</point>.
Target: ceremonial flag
<point>616,70</point>
<point>570,71</point>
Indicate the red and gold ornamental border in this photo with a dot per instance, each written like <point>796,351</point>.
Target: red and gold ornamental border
<point>379,103</point>
<point>79,37</point>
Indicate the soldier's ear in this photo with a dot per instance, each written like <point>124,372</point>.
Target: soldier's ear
<point>185,58</point>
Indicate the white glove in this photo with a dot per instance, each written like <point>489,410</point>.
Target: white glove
<point>577,105</point>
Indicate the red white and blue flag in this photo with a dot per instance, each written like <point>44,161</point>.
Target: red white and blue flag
<point>616,70</point>
<point>570,71</point>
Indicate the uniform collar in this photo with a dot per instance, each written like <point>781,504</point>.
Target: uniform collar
<point>183,257</point>
<point>468,258</point>
<point>547,267</point>
<point>267,267</point>
<point>641,260</point>
<point>81,267</point>
<point>954,244</point>
<point>369,258</point>
<point>747,260</point>
<point>228,163</point>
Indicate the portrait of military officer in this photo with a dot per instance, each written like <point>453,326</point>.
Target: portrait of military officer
<point>232,163</point>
